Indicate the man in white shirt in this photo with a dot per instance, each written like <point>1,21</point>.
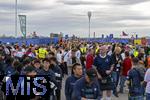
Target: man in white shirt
<point>147,80</point>
<point>65,59</point>
<point>78,54</point>
<point>59,57</point>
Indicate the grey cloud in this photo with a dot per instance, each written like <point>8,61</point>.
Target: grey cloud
<point>127,2</point>
<point>23,6</point>
<point>78,2</point>
<point>118,14</point>
<point>61,17</point>
<point>64,22</point>
<point>109,25</point>
<point>120,18</point>
<point>6,6</point>
<point>9,9</point>
<point>94,2</point>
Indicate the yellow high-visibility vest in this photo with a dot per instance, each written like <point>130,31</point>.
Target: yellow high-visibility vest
<point>42,53</point>
<point>135,53</point>
<point>81,49</point>
<point>97,49</point>
<point>84,50</point>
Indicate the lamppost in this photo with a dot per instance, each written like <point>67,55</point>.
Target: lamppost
<point>89,16</point>
<point>16,8</point>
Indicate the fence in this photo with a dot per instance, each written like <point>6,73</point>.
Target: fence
<point>55,40</point>
<point>29,40</point>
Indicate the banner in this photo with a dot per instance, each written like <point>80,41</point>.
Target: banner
<point>22,19</point>
<point>138,41</point>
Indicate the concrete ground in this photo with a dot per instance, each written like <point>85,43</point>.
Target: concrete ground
<point>121,96</point>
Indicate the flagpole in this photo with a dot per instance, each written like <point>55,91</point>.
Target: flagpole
<point>89,16</point>
<point>16,8</point>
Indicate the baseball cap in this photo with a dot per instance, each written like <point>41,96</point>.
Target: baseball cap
<point>91,73</point>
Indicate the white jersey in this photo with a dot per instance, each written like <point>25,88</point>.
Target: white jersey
<point>59,57</point>
<point>78,54</point>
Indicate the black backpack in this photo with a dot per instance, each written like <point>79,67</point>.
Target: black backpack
<point>140,76</point>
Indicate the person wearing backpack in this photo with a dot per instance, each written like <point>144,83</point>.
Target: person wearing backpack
<point>135,80</point>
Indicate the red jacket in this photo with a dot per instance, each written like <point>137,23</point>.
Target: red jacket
<point>127,64</point>
<point>89,61</point>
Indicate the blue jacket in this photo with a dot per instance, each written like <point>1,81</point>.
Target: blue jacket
<point>10,71</point>
<point>135,86</point>
<point>52,79</point>
<point>58,75</point>
<point>70,82</point>
<point>44,72</point>
<point>83,89</point>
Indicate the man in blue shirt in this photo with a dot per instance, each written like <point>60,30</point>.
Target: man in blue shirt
<point>70,82</point>
<point>104,66</point>
<point>87,88</point>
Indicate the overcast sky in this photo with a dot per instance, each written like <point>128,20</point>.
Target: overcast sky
<point>70,16</point>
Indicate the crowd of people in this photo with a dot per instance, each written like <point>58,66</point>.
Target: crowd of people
<point>90,69</point>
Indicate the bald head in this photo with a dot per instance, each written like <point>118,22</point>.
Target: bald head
<point>117,50</point>
<point>103,50</point>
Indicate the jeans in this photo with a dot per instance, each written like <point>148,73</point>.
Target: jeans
<point>122,82</point>
<point>115,76</point>
<point>136,98</point>
<point>147,96</point>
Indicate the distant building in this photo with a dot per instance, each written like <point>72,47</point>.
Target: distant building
<point>55,35</point>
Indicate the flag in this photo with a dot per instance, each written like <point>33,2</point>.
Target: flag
<point>124,34</point>
<point>22,19</point>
